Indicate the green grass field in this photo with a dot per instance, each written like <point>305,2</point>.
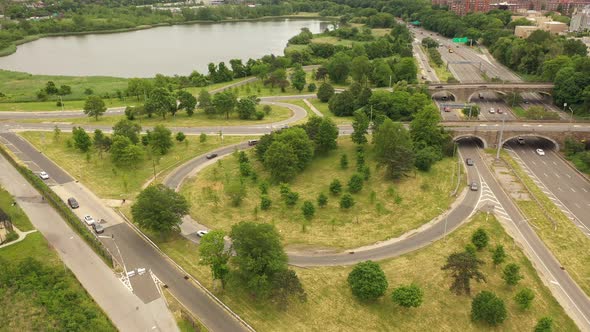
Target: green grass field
<point>21,310</point>
<point>18,86</point>
<point>413,201</point>
<point>108,181</point>
<point>69,105</point>
<point>567,241</point>
<point>331,307</point>
<point>198,119</point>
<point>323,108</point>
<point>16,214</point>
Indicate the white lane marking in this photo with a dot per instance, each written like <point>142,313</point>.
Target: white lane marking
<point>554,282</point>
<point>585,190</point>
<point>559,188</point>
<point>546,175</point>
<point>572,189</point>
<point>534,163</point>
<point>554,163</point>
<point>577,205</point>
<point>557,175</point>
<point>569,176</point>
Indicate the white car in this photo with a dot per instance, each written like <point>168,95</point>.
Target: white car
<point>44,175</point>
<point>202,233</point>
<point>89,220</point>
<point>492,110</point>
<point>540,152</point>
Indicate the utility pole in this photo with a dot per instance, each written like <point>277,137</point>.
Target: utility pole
<point>500,138</point>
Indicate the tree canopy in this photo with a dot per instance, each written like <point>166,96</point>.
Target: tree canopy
<point>159,209</point>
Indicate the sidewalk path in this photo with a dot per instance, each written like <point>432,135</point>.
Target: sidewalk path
<point>21,236</point>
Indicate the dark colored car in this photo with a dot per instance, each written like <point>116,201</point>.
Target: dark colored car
<point>469,162</point>
<point>73,203</point>
<point>252,142</point>
<point>211,155</point>
<point>98,229</point>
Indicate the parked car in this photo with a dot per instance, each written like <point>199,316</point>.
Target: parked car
<point>492,110</point>
<point>73,203</point>
<point>252,142</point>
<point>469,162</point>
<point>98,229</point>
<point>540,152</point>
<point>211,155</point>
<point>473,186</point>
<point>202,233</point>
<point>89,220</point>
<point>43,175</point>
<point>500,111</point>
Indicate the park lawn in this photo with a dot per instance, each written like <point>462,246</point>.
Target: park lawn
<point>16,214</point>
<point>108,181</point>
<point>69,105</point>
<point>567,241</point>
<point>519,111</point>
<point>199,119</point>
<point>19,86</point>
<point>323,108</point>
<point>196,90</point>
<point>19,309</point>
<point>414,201</point>
<point>331,307</point>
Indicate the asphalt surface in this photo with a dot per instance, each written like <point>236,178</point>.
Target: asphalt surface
<point>562,285</point>
<point>569,190</point>
<point>426,72</point>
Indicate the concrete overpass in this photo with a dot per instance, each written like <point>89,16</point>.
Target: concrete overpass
<point>464,91</point>
<point>489,134</point>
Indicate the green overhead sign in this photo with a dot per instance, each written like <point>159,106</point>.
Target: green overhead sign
<point>415,23</point>
<point>460,40</point>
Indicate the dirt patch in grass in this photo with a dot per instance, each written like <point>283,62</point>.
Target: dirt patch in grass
<point>393,209</point>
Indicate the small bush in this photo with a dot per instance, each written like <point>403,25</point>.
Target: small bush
<point>480,239</point>
<point>343,161</point>
<point>336,187</point>
<point>180,136</point>
<point>265,202</point>
<point>346,201</point>
<point>322,200</point>
<point>355,184</point>
<point>308,210</point>
<point>544,324</point>
<point>203,138</point>
<point>311,87</point>
<point>488,308</point>
<point>408,296</point>
<point>524,298</point>
<point>259,115</point>
<point>266,109</point>
<point>367,281</point>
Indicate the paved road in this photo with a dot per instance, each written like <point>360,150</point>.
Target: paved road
<point>566,291</point>
<point>125,310</point>
<point>135,251</point>
<point>569,190</point>
<point>425,70</point>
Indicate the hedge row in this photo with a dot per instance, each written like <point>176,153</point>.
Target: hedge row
<point>61,208</point>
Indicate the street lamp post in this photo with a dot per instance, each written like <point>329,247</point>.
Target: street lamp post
<point>572,117</point>
<point>500,138</point>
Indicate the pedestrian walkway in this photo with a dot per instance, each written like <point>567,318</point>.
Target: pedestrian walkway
<point>21,236</point>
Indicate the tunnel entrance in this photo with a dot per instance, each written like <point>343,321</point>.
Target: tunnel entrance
<point>471,140</point>
<point>532,142</point>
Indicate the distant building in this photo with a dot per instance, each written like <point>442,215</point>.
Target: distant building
<point>463,7</point>
<point>581,20</point>
<point>524,31</point>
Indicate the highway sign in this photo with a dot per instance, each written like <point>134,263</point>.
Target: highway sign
<point>460,40</point>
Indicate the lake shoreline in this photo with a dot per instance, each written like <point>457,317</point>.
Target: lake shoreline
<point>12,48</point>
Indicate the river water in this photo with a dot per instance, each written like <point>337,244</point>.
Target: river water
<point>169,50</point>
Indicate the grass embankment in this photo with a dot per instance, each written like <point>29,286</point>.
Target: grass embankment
<point>441,72</point>
<point>23,87</point>
<point>181,119</point>
<point>331,307</point>
<point>45,305</point>
<point>412,201</point>
<point>108,181</point>
<point>323,108</point>
<point>16,214</point>
<point>566,242</point>
<point>70,105</point>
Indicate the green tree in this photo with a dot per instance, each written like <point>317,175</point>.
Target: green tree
<point>335,187</point>
<point>346,202</point>
<point>50,88</point>
<point>265,202</point>
<point>343,161</point>
<point>425,157</point>
<point>511,274</point>
<point>160,139</point>
<point>367,281</point>
<point>487,307</point>
<point>205,102</point>
<point>285,285</point>
<point>82,140</point>
<point>406,70</point>
<point>425,128</point>
<point>203,138</point>
<point>360,126</point>
<point>342,104</point>
<point>325,92</point>
<point>298,78</point>
<point>235,189</point>
<point>213,253</point>
<point>339,67</point>
<point>64,90</point>
<point>408,296</point>
<point>544,324</point>
<point>360,69</point>
<point>308,210</point>
<point>355,184</point>
<point>224,102</point>
<point>188,102</point>
<point>159,209</point>
<point>464,267</point>
<point>302,145</point>
<point>524,298</point>
<point>498,255</point>
<point>323,132</point>
<point>124,153</point>
<point>281,161</point>
<point>246,108</point>
<point>94,106</point>
<point>160,102</point>
<point>128,129</point>
<point>278,78</point>
<point>480,238</point>
<point>393,149</point>
<point>180,136</point>
<point>102,142</point>
<point>259,255</point>
<point>322,200</point>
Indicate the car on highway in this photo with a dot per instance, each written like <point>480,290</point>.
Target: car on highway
<point>520,140</point>
<point>73,203</point>
<point>202,233</point>
<point>540,152</point>
<point>500,111</point>
<point>98,228</point>
<point>473,186</point>
<point>492,110</point>
<point>469,162</point>
<point>211,155</point>
<point>43,175</point>
<point>252,142</point>
<point>89,220</point>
